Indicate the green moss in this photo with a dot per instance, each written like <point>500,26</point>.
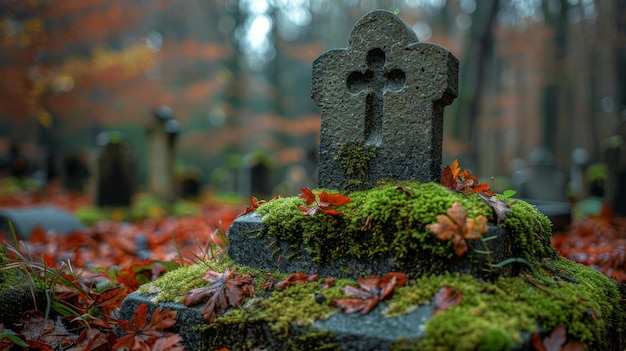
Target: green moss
<point>174,285</point>
<point>492,316</point>
<point>354,159</point>
<point>295,305</point>
<point>391,220</point>
<point>530,230</point>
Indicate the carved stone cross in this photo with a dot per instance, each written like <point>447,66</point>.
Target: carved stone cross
<point>382,101</point>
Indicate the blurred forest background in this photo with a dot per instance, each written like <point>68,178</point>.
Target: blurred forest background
<point>237,76</point>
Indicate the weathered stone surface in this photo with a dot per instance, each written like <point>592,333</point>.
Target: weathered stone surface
<point>247,247</point>
<point>25,219</point>
<point>385,93</point>
<point>17,295</point>
<point>372,331</point>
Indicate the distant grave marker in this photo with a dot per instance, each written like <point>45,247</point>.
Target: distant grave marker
<point>115,172</point>
<point>382,100</point>
<point>74,171</point>
<point>162,135</point>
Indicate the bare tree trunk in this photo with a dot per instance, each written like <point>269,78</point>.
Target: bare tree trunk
<point>481,39</point>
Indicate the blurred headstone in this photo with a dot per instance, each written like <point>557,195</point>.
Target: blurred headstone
<point>74,171</point>
<point>16,163</point>
<point>579,160</point>
<point>23,220</point>
<point>542,181</point>
<point>614,150</point>
<point>190,182</point>
<point>544,186</point>
<point>382,97</point>
<point>162,135</point>
<point>115,172</point>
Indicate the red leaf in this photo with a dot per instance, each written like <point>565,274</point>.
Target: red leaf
<point>140,332</point>
<point>449,175</point>
<point>447,297</point>
<point>334,199</point>
<point>371,290</point>
<point>330,211</point>
<point>307,195</point>
<point>254,204</point>
<point>295,279</point>
<point>574,346</point>
<point>325,200</point>
<point>226,289</point>
<point>555,341</point>
<point>173,342</point>
<point>453,178</point>
<point>457,227</point>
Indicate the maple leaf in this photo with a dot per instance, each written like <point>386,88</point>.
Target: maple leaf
<point>295,279</point>
<point>371,290</point>
<point>323,204</point>
<point>556,341</point>
<point>456,227</point>
<point>447,297</point>
<point>226,289</point>
<point>92,339</point>
<point>140,333</point>
<point>42,333</point>
<point>500,207</point>
<point>450,174</point>
<point>255,203</point>
<point>172,342</point>
<point>462,181</point>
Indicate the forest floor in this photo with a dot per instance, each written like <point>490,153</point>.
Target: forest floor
<point>90,271</point>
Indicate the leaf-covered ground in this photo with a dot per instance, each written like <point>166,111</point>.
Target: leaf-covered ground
<point>596,241</point>
<point>95,268</point>
<point>92,270</point>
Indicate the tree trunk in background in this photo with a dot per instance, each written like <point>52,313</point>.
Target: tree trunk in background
<point>474,68</point>
<point>620,57</point>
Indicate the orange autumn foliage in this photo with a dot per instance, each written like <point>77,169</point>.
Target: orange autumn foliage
<point>456,227</point>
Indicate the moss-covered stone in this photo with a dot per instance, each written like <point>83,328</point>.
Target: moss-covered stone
<point>354,158</point>
<point>17,295</point>
<point>389,222</point>
<point>497,315</point>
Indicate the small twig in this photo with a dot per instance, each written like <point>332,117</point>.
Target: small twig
<point>535,284</point>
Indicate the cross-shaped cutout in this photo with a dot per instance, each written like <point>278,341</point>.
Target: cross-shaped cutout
<point>375,82</point>
<point>382,97</point>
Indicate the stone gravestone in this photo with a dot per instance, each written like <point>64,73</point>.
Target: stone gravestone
<point>296,327</point>
<point>74,171</point>
<point>115,172</point>
<point>162,135</point>
<point>23,220</point>
<point>382,99</point>
<point>614,149</point>
<point>544,186</point>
